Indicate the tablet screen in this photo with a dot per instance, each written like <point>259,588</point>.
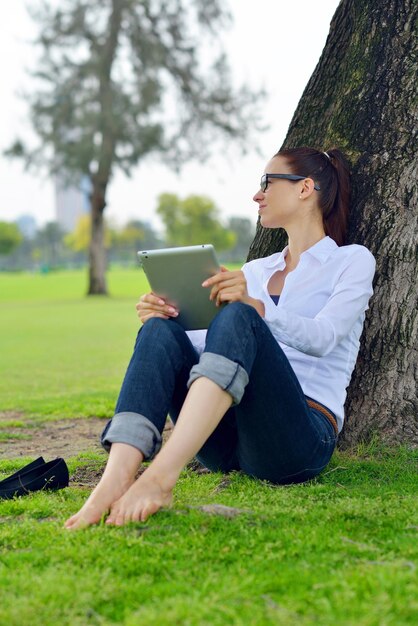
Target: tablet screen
<point>177,274</point>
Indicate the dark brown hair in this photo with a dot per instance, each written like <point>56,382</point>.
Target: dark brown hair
<point>332,172</point>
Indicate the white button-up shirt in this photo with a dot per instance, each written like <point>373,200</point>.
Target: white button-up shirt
<point>319,318</point>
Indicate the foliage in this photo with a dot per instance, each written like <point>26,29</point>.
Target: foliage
<point>132,73</point>
<point>49,242</point>
<point>43,247</point>
<point>149,238</point>
<point>79,239</point>
<point>50,247</point>
<point>192,221</point>
<point>135,235</point>
<point>10,237</point>
<point>244,231</point>
<point>129,235</point>
<point>121,80</point>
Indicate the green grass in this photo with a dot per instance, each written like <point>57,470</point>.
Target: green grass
<point>340,550</point>
<point>64,354</point>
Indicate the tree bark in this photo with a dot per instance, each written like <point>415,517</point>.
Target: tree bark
<point>362,97</point>
<point>97,265</point>
<point>97,252</point>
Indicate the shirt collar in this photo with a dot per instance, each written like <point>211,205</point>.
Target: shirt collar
<point>321,250</point>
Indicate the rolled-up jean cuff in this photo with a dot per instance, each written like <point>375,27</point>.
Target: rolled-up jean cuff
<point>229,375</point>
<point>134,429</point>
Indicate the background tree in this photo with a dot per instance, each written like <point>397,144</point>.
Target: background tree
<point>133,236</point>
<point>79,239</point>
<point>10,237</point>
<point>49,240</point>
<point>244,230</point>
<point>149,237</point>
<point>362,97</point>
<point>121,79</point>
<point>192,221</point>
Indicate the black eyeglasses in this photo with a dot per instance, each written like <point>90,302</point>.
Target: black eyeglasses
<point>265,180</point>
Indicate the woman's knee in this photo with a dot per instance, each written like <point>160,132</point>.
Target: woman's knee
<point>161,331</point>
<point>236,311</point>
<point>233,334</point>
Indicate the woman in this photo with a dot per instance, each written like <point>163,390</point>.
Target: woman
<point>263,390</point>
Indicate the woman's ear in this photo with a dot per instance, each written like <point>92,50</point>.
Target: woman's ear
<point>307,188</point>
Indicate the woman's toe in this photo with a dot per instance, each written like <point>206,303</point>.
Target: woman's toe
<point>120,520</point>
<point>115,518</point>
<point>111,518</point>
<point>136,515</point>
<point>73,526</point>
<point>149,509</point>
<point>69,523</point>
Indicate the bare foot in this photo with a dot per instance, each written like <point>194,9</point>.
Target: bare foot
<point>109,489</point>
<point>144,498</point>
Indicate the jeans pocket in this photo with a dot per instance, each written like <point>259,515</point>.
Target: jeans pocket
<point>325,430</point>
<point>321,455</point>
<point>316,465</point>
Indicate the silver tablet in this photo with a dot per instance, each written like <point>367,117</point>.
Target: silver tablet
<point>177,274</point>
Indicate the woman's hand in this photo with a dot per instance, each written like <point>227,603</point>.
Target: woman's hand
<point>231,287</point>
<point>150,305</point>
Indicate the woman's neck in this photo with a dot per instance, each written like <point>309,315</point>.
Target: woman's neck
<point>299,243</point>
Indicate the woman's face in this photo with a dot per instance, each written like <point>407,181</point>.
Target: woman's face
<point>280,206</point>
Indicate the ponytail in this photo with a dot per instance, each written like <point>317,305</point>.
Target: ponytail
<point>331,170</point>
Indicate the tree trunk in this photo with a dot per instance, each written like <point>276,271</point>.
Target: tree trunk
<point>97,253</point>
<point>362,97</point>
<point>106,152</point>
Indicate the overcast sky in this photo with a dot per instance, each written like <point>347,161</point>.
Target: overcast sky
<point>272,43</point>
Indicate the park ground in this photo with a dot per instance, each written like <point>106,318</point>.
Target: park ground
<point>341,549</point>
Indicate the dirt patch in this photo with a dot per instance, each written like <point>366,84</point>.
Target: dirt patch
<point>87,476</point>
<point>64,438</point>
<point>10,416</point>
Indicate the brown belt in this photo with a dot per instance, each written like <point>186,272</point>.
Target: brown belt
<point>324,411</point>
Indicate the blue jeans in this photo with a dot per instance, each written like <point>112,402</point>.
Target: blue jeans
<point>269,432</point>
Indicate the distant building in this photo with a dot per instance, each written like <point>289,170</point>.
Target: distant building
<point>71,202</point>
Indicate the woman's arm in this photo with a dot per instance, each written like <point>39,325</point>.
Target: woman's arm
<point>318,336</point>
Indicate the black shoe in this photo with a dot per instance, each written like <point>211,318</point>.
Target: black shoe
<point>47,476</point>
<point>36,463</point>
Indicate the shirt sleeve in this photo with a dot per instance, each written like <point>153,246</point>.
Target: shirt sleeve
<point>318,336</point>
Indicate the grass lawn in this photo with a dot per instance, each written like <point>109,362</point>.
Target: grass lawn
<point>340,550</point>
<point>64,355</point>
